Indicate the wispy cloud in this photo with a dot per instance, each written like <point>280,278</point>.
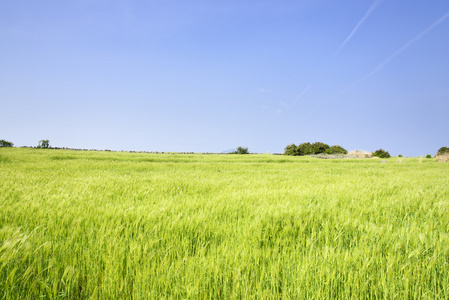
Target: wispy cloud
<point>367,14</point>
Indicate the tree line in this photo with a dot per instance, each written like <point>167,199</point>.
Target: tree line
<point>315,148</point>
<point>42,144</point>
<point>292,149</point>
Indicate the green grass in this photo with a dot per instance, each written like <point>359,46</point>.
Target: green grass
<point>113,225</point>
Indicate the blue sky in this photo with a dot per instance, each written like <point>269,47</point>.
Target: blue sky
<point>207,76</point>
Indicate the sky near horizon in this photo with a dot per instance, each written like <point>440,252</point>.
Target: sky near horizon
<point>208,76</point>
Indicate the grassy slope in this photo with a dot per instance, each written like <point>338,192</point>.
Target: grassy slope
<point>121,225</point>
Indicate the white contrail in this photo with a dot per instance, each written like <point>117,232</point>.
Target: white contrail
<point>403,48</point>
<point>392,56</point>
<point>289,106</point>
<point>367,14</point>
<point>300,95</point>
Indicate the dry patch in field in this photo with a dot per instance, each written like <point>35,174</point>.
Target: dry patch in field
<point>442,158</point>
<point>360,154</point>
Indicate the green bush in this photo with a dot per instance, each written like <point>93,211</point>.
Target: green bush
<point>337,149</point>
<point>4,143</point>
<point>305,149</point>
<point>381,153</point>
<point>241,150</point>
<point>443,150</point>
<point>291,149</point>
<point>428,156</point>
<point>400,155</point>
<point>328,151</point>
<point>319,147</point>
<point>315,148</point>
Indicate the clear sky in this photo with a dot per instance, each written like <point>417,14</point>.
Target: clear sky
<point>208,76</point>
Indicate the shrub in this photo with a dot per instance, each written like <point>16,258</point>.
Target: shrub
<point>328,151</point>
<point>443,150</point>
<point>400,155</point>
<point>381,153</point>
<point>305,149</point>
<point>428,156</point>
<point>291,150</point>
<point>337,149</point>
<point>319,147</point>
<point>4,143</point>
<point>241,150</point>
<point>315,148</point>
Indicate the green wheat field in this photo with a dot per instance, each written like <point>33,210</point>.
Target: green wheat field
<point>117,225</point>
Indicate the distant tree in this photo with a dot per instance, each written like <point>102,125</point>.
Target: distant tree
<point>44,144</point>
<point>315,148</point>
<point>381,153</point>
<point>4,143</point>
<point>241,150</point>
<point>319,147</point>
<point>443,150</point>
<point>305,149</point>
<point>428,156</point>
<point>291,149</point>
<point>336,149</point>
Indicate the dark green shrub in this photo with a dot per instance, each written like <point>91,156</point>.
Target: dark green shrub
<point>315,148</point>
<point>337,149</point>
<point>319,147</point>
<point>443,150</point>
<point>400,155</point>
<point>305,149</point>
<point>328,151</point>
<point>241,150</point>
<point>428,156</point>
<point>4,143</point>
<point>291,150</point>
<point>381,153</point>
